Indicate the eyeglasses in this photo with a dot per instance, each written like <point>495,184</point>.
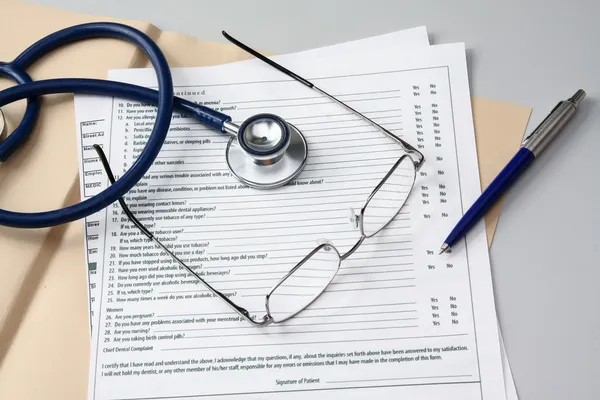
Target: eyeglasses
<point>308,279</point>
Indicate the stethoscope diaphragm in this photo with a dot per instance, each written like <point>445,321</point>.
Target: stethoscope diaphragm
<point>267,152</point>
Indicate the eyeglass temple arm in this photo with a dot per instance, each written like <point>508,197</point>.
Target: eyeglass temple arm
<point>406,146</point>
<point>240,310</point>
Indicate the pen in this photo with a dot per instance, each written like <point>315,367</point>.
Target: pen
<point>531,147</point>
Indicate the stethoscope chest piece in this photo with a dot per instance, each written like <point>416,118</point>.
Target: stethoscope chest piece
<point>267,152</point>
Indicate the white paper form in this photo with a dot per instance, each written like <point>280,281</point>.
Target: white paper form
<point>356,328</point>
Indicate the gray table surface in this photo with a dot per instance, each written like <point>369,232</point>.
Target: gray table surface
<point>533,53</point>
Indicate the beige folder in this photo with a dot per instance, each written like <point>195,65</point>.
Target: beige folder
<point>44,321</point>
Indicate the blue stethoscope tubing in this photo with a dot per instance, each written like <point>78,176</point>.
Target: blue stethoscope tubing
<point>28,89</point>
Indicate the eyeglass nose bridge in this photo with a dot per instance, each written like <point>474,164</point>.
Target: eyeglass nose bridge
<point>327,245</point>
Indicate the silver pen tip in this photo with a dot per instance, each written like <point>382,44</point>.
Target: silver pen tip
<point>444,248</point>
<point>577,98</point>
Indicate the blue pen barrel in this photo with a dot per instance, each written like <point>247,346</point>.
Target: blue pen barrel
<point>492,193</point>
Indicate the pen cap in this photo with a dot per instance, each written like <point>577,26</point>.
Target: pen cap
<point>549,128</point>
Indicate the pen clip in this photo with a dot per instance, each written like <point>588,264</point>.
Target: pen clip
<point>537,129</point>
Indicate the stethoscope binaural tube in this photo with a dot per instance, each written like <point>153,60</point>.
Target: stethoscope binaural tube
<point>16,71</point>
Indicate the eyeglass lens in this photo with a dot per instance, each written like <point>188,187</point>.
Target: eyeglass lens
<point>387,201</point>
<point>304,284</point>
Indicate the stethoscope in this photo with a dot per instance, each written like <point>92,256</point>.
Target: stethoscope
<point>263,152</point>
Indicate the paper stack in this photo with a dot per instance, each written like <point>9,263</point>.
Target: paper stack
<point>43,315</point>
<point>397,320</point>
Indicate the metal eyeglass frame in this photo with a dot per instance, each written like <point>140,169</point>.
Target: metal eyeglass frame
<point>357,221</point>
